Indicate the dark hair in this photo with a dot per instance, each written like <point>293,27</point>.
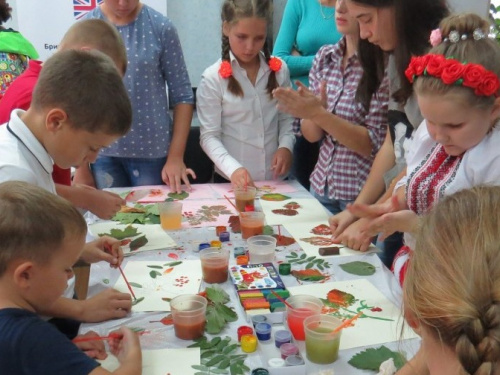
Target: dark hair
<point>415,19</point>
<point>88,87</point>
<point>34,223</point>
<point>5,11</point>
<point>232,12</point>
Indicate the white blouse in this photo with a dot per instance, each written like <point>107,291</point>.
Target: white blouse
<point>242,131</point>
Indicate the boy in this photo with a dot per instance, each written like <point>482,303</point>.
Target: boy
<point>89,34</point>
<point>79,106</point>
<point>42,237</point>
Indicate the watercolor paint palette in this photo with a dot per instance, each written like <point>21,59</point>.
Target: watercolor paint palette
<point>255,277</point>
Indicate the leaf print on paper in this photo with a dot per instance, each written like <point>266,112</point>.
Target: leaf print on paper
<point>285,212</point>
<point>206,214</point>
<point>120,234</point>
<point>179,196</point>
<point>318,241</point>
<point>322,230</point>
<point>275,197</point>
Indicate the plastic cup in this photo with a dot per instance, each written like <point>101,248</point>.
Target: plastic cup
<point>170,215</point>
<point>252,224</point>
<point>188,314</point>
<point>214,265</point>
<point>304,306</point>
<point>322,345</point>
<point>261,249</point>
<point>244,196</point>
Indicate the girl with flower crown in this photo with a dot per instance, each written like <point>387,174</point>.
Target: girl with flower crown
<point>351,132</point>
<point>457,86</point>
<point>242,131</point>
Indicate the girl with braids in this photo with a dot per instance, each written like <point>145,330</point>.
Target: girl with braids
<point>457,87</point>
<point>242,131</point>
<point>452,287</point>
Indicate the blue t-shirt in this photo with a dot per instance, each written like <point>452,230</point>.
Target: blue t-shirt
<point>155,62</point>
<point>31,346</point>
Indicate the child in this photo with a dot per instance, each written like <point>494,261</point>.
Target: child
<point>89,34</point>
<point>452,287</point>
<point>243,133</point>
<point>79,106</point>
<point>350,131</point>
<point>42,237</point>
<point>457,86</point>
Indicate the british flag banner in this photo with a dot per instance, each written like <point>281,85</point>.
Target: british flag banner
<point>44,23</point>
<point>82,7</point>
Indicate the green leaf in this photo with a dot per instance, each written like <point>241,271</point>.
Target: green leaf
<point>200,367</point>
<point>215,360</point>
<point>154,274</point>
<point>219,369</point>
<point>228,349</point>
<point>106,281</point>
<point>358,268</point>
<point>303,256</point>
<point>207,353</point>
<point>310,265</point>
<point>211,343</point>
<point>173,264</point>
<point>155,267</point>
<point>217,294</point>
<point>268,230</point>
<point>226,312</point>
<point>138,243</point>
<point>135,285</point>
<point>179,196</point>
<point>371,359</point>
<point>138,300</point>
<point>120,234</point>
<point>221,345</point>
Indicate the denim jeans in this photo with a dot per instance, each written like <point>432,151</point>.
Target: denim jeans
<point>121,172</point>
<point>333,205</point>
<point>390,246</point>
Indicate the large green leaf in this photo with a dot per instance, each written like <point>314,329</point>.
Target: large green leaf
<point>358,268</point>
<point>371,359</point>
<point>138,243</point>
<point>179,196</point>
<point>120,234</point>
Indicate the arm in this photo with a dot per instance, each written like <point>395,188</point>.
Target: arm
<point>284,45</point>
<point>83,176</point>
<point>180,95</point>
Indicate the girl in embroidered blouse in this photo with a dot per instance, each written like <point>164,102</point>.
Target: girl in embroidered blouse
<point>452,288</point>
<point>456,147</point>
<point>243,133</point>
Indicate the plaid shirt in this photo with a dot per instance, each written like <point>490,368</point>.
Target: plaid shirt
<point>338,167</point>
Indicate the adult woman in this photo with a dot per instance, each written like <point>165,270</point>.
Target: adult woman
<point>156,62</point>
<point>306,26</point>
<point>400,28</point>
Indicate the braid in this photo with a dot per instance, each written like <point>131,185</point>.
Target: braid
<point>272,82</point>
<point>228,14</point>
<point>478,347</point>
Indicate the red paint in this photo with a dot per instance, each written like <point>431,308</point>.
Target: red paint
<point>295,320</point>
<point>241,203</point>
<point>173,256</point>
<point>244,330</point>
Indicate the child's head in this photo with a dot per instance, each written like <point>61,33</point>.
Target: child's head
<point>457,83</point>
<point>42,237</point>
<point>81,101</point>
<point>452,286</point>
<point>398,26</point>
<point>5,11</point>
<point>345,22</point>
<point>96,34</point>
<point>244,33</point>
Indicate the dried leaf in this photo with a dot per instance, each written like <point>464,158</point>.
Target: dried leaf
<point>138,243</point>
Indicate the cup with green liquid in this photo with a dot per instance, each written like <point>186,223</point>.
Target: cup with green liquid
<point>322,343</point>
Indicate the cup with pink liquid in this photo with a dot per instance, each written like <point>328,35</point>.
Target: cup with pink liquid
<point>302,306</point>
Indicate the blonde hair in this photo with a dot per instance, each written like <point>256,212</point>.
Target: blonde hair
<point>232,12</point>
<point>34,223</point>
<point>485,52</point>
<point>452,285</point>
<point>100,35</point>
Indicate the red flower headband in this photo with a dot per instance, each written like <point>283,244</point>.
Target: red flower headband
<point>454,72</point>
<point>226,71</point>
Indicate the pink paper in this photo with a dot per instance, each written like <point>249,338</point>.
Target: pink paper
<point>263,187</point>
<point>153,194</point>
<point>206,213</point>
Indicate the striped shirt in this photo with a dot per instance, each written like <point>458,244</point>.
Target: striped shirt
<point>339,168</point>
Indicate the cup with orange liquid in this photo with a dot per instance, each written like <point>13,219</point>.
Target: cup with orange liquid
<point>252,224</point>
<point>302,306</point>
<point>188,315</point>
<point>244,196</point>
<point>170,215</point>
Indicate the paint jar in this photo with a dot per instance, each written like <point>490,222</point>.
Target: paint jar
<point>241,260</point>
<point>282,337</point>
<point>188,315</point>
<point>219,229</point>
<point>284,269</point>
<point>260,371</point>
<point>244,330</point>
<point>276,362</point>
<point>322,344</point>
<point>261,249</point>
<point>294,360</point>
<point>263,331</point>
<point>248,343</point>
<point>288,349</point>
<point>224,237</point>
<point>216,243</point>
<point>214,265</point>
<point>252,224</point>
<point>256,319</point>
<point>203,246</point>
<point>244,196</point>
<point>303,306</point>
<point>239,250</point>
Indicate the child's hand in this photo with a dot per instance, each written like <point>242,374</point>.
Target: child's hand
<point>387,224</point>
<point>241,178</point>
<point>340,222</point>
<point>301,103</point>
<point>127,349</point>
<point>175,173</point>
<point>282,161</point>
<point>103,204</point>
<point>353,237</point>
<point>94,349</point>
<point>109,304</point>
<point>105,249</point>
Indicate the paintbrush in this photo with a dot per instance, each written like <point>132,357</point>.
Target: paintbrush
<point>107,248</point>
<point>232,204</point>
<point>281,299</point>
<point>96,338</point>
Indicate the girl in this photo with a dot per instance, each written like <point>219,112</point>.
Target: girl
<point>396,29</point>
<point>452,288</point>
<point>241,130</point>
<point>351,132</point>
<point>456,147</point>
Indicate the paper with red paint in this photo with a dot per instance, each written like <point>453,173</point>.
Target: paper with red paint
<point>263,187</point>
<point>206,213</point>
<point>159,193</point>
<point>293,211</point>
